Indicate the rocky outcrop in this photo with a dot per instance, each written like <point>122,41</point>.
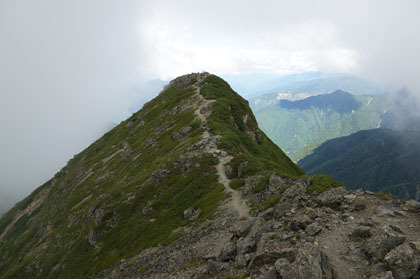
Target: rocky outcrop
<point>297,237</point>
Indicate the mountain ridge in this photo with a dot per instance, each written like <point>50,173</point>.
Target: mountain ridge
<point>142,175</point>
<point>299,126</point>
<point>379,160</point>
<point>339,100</point>
<point>190,187</point>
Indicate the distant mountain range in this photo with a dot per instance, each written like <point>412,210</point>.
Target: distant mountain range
<point>311,83</point>
<point>300,126</point>
<point>339,101</point>
<point>379,160</point>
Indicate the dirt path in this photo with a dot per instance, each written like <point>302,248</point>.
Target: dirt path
<point>236,201</point>
<point>28,210</point>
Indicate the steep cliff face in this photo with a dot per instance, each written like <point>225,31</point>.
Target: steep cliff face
<point>140,184</point>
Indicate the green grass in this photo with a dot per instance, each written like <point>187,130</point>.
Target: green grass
<point>321,183</point>
<point>227,119</point>
<point>271,201</point>
<point>237,183</point>
<point>136,165</point>
<point>124,192</point>
<point>299,131</point>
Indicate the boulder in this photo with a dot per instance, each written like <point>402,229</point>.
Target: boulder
<point>411,205</point>
<point>384,241</point>
<point>228,253</point>
<point>313,229</point>
<point>191,214</point>
<point>300,222</point>
<point>250,183</point>
<point>295,191</point>
<point>387,210</point>
<point>281,209</point>
<point>215,267</point>
<point>92,237</point>
<point>271,273</point>
<point>403,261</point>
<point>332,198</point>
<point>275,183</point>
<point>355,255</point>
<point>259,227</point>
<point>242,228</point>
<point>147,210</point>
<point>360,232</point>
<point>310,263</point>
<point>245,245</point>
<point>269,250</point>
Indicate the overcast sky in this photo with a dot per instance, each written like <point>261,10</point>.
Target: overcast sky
<point>70,68</point>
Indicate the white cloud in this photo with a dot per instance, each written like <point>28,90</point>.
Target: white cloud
<point>177,48</point>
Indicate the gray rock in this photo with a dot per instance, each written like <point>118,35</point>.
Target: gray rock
<point>269,250</point>
<point>403,261</point>
<point>295,191</point>
<point>271,274</point>
<point>227,253</point>
<point>242,228</point>
<point>355,255</point>
<point>350,198</point>
<point>281,209</point>
<point>358,206</point>
<point>411,205</point>
<point>177,136</point>
<point>300,222</point>
<point>268,214</point>
<point>147,210</point>
<point>332,198</point>
<point>386,210</point>
<point>191,214</point>
<point>149,142</point>
<point>309,263</point>
<point>250,183</point>
<point>259,227</point>
<point>92,237</point>
<point>360,232</point>
<point>275,183</point>
<point>185,130</point>
<point>215,267</point>
<point>229,170</point>
<point>99,215</point>
<point>378,268</point>
<point>313,229</point>
<point>384,275</point>
<point>384,241</point>
<point>245,245</point>
<point>284,269</point>
<point>242,260</point>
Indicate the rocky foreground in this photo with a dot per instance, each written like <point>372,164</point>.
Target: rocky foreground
<point>336,234</point>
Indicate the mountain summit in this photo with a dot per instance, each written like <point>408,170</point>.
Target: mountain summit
<point>190,187</point>
<point>132,188</point>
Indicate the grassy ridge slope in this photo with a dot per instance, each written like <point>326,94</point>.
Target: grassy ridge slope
<point>128,190</point>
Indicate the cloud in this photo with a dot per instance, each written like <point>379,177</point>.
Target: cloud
<point>68,69</point>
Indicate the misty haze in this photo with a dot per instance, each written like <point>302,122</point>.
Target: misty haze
<point>136,127</point>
